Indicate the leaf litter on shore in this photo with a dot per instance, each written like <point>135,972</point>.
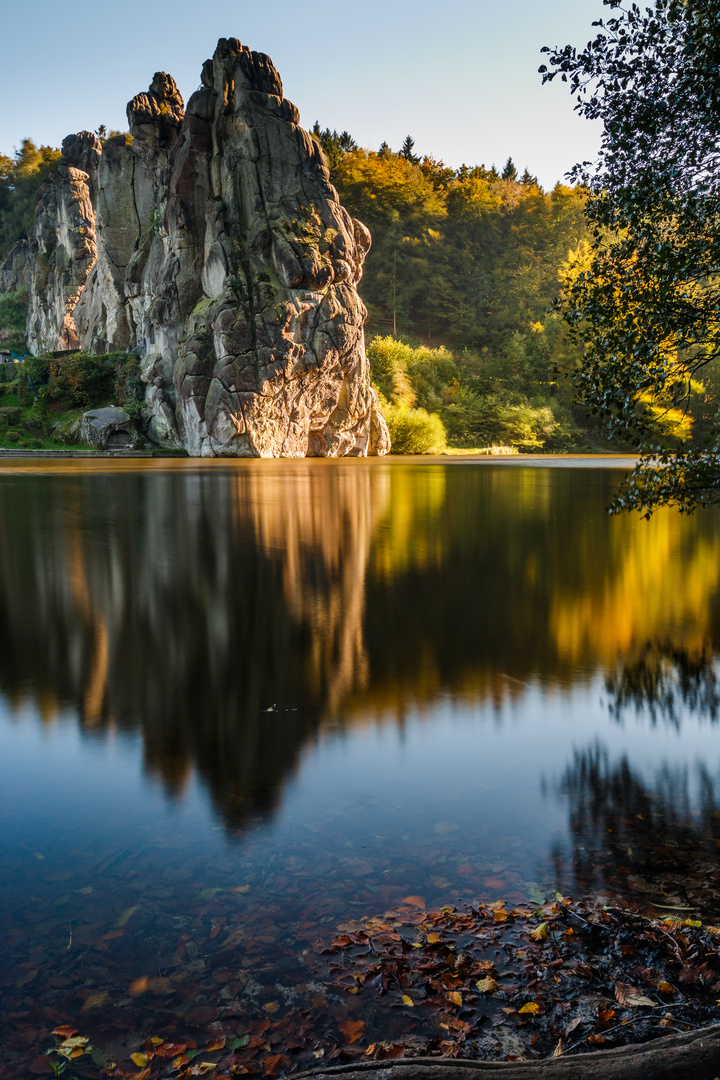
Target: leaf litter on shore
<point>452,982</point>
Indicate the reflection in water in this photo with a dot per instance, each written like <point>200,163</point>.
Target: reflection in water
<point>655,840</point>
<point>221,613</point>
<point>368,667</point>
<point>666,683</point>
<point>191,602</point>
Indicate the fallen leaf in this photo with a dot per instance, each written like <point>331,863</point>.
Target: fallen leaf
<point>65,1031</point>
<point>665,987</point>
<point>558,1049</point>
<point>127,915</point>
<point>138,987</point>
<point>530,1007</point>
<point>597,1039</point>
<point>414,901</point>
<point>96,1001</point>
<point>216,1044</point>
<point>139,1059</point>
<point>352,1029</point>
<point>606,1015</point>
<point>487,985</point>
<point>455,997</point>
<point>242,889</point>
<point>209,894</point>
<point>499,915</point>
<point>540,932</point>
<point>272,1063</point>
<point>271,1007</point>
<point>408,1001</point>
<point>433,939</point>
<point>631,997</point>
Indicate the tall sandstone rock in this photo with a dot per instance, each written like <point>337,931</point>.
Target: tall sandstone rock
<point>211,241</point>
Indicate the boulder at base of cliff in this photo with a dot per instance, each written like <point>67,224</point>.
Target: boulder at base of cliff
<point>109,429</point>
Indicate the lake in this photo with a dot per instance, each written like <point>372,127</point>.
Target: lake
<point>245,704</point>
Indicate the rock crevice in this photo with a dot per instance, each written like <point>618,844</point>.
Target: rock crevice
<point>211,241</point>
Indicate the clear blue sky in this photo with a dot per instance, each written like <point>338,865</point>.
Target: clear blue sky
<point>460,76</point>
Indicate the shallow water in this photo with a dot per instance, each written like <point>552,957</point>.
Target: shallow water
<point>244,703</point>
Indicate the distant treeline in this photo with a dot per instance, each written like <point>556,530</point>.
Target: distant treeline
<point>463,256</point>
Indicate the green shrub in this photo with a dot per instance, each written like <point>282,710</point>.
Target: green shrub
<point>496,419</point>
<point>80,381</point>
<point>129,387</point>
<point>409,376</point>
<point>414,431</point>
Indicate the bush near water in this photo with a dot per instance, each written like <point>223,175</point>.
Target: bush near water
<point>43,398</point>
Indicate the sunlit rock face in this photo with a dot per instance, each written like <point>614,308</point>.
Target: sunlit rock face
<point>216,247</point>
<point>61,248</point>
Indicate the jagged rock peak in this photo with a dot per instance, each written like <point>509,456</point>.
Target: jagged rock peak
<point>161,105</point>
<point>81,151</point>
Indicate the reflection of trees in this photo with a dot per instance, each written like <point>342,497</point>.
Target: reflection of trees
<point>663,682</point>
<point>634,836</point>
<point>189,605</point>
<point>185,601</point>
<point>524,575</point>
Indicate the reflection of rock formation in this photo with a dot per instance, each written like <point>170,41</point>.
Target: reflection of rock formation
<point>652,839</point>
<point>186,600</point>
<point>189,605</point>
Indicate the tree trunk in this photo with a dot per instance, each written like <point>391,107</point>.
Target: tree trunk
<point>694,1055</point>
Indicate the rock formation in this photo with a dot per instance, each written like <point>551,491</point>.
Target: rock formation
<point>211,242</point>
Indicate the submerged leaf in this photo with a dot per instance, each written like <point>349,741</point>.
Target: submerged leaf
<point>351,1029</point>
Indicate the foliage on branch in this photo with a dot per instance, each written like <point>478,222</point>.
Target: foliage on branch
<point>646,306</point>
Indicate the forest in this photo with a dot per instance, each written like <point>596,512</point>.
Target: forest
<point>464,345</point>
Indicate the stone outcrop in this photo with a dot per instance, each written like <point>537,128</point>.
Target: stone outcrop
<point>211,241</point>
<point>108,429</point>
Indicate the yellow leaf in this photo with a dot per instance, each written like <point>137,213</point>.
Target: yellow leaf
<point>433,939</point>
<point>127,915</point>
<point>156,1040</point>
<point>665,987</point>
<point>408,1001</point>
<point>530,1007</point>
<point>540,932</point>
<point>692,922</point>
<point>499,915</point>
<point>558,1049</point>
<point>487,985</point>
<point>242,889</point>
<point>139,1059</point>
<point>455,997</point>
<point>271,1007</point>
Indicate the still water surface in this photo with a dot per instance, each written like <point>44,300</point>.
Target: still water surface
<point>242,704</point>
